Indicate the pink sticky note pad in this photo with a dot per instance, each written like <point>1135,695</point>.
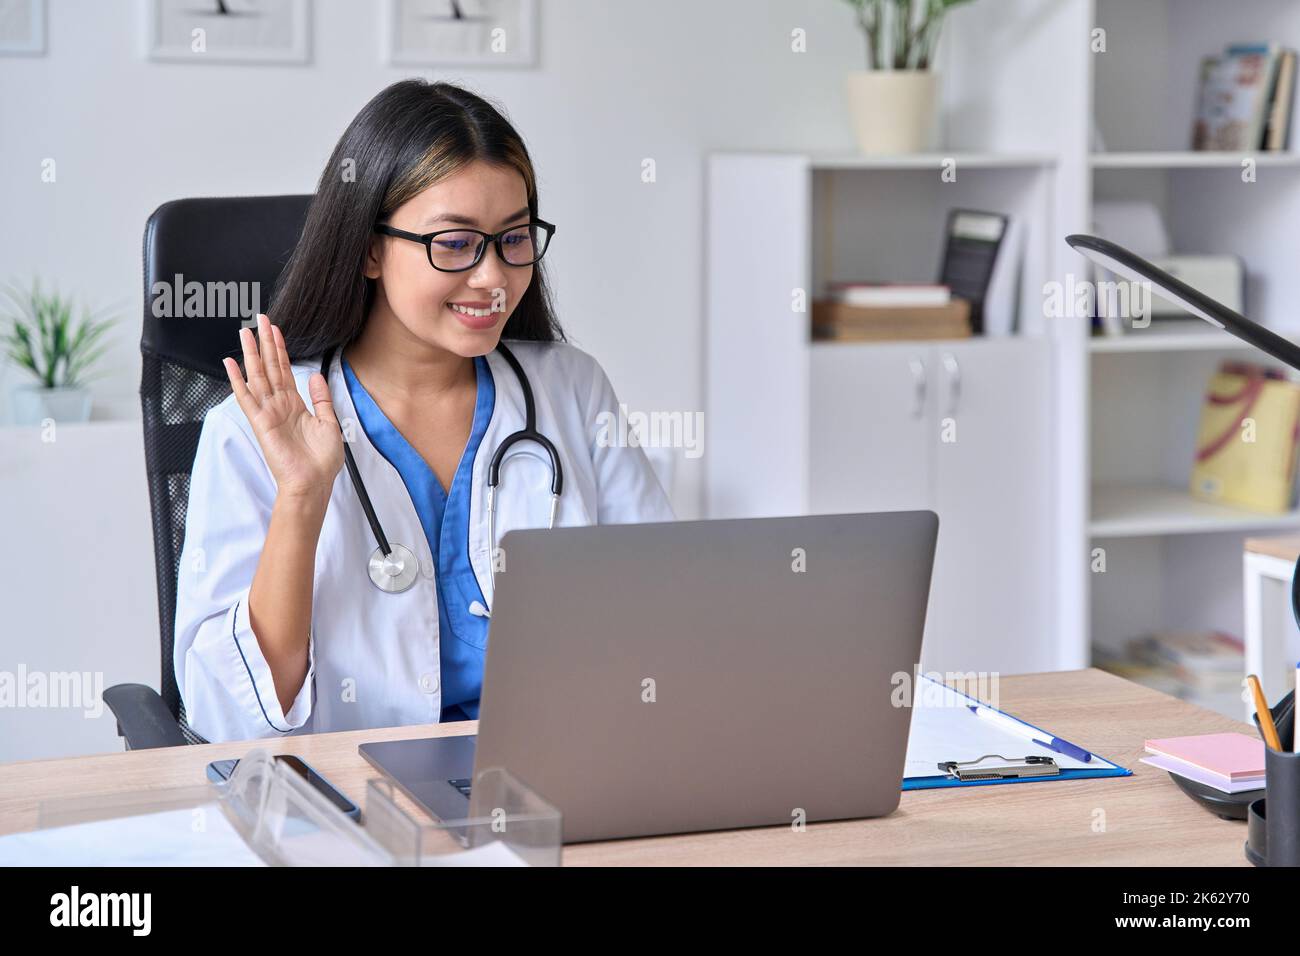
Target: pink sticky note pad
<point>1230,755</point>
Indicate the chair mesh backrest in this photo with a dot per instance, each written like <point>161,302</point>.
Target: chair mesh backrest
<point>212,242</point>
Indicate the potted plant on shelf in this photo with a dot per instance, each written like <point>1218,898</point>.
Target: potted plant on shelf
<point>892,102</point>
<point>45,339</point>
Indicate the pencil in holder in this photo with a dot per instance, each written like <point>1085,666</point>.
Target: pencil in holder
<point>1283,719</point>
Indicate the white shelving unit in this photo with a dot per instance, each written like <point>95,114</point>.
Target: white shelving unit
<point>1121,414</point>
<point>800,426</point>
<point>1184,159</point>
<point>1158,341</point>
<point>1141,509</point>
<point>853,427</point>
<point>1174,562</point>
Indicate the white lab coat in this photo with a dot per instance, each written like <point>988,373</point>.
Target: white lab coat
<point>374,657</point>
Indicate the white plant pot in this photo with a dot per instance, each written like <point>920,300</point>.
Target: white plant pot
<point>33,404</point>
<point>893,111</point>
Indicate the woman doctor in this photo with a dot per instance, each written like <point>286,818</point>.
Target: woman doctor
<point>418,257</point>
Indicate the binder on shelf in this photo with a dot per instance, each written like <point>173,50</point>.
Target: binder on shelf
<point>951,745</point>
<point>974,252</point>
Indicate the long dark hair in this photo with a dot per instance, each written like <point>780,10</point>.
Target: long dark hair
<point>411,135</point>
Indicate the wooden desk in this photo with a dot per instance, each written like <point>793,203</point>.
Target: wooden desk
<point>1143,819</point>
<point>1285,548</point>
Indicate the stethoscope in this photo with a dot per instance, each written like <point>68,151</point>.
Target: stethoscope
<point>394,567</point>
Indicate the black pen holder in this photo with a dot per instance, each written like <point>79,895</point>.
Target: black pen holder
<point>1273,824</point>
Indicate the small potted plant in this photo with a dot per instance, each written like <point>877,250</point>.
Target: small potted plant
<point>892,102</point>
<point>45,339</point>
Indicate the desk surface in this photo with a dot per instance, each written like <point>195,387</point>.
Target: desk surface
<point>1286,547</point>
<point>1143,819</point>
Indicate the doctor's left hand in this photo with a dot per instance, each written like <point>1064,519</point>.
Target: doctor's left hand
<point>303,451</point>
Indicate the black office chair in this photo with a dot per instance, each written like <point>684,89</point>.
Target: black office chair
<point>236,240</point>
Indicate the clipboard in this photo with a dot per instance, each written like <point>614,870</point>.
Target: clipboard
<point>948,745</point>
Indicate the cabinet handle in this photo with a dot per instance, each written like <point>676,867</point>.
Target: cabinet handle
<point>954,382</point>
<point>918,387</point>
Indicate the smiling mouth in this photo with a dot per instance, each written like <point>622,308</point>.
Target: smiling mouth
<point>478,320</point>
<point>474,311</point>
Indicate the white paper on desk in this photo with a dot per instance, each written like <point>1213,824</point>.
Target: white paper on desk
<point>166,838</point>
<point>1201,775</point>
<point>944,728</point>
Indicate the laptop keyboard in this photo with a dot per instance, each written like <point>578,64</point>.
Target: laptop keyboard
<point>462,784</point>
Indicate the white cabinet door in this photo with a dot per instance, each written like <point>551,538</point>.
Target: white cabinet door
<point>870,433</point>
<point>990,597</point>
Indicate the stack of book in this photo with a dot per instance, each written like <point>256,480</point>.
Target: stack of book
<point>1203,667</point>
<point>1244,102</point>
<point>873,311</point>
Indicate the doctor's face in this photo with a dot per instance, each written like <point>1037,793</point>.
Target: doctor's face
<point>460,312</point>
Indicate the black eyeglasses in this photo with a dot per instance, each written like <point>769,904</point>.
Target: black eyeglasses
<point>455,250</point>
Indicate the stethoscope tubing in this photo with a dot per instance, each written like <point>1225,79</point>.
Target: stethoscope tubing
<point>529,432</point>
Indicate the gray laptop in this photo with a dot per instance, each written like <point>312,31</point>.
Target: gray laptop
<point>693,675</point>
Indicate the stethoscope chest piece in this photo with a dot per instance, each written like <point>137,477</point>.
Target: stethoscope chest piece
<point>396,571</point>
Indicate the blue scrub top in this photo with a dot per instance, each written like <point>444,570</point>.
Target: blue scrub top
<point>445,518</point>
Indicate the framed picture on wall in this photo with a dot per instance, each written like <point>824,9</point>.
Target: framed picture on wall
<point>460,32</point>
<point>231,31</point>
<point>22,27</point>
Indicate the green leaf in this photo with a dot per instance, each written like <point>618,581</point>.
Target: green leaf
<point>46,339</point>
<point>901,34</point>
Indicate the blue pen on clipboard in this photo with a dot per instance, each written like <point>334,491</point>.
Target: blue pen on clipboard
<point>1030,733</point>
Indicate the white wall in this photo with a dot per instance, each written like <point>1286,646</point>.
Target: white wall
<point>617,81</point>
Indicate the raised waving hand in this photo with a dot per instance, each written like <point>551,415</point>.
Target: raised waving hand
<point>303,450</point>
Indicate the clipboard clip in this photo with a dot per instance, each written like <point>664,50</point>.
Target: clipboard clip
<point>1012,768</point>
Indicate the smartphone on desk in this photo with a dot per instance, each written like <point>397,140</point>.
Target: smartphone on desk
<point>219,771</point>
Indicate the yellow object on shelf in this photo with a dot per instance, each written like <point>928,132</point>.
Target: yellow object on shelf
<point>1246,443</point>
